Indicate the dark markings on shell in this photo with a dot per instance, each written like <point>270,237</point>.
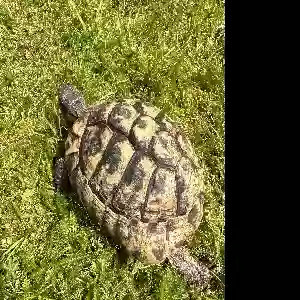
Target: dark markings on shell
<point>139,134</point>
<point>145,109</point>
<point>122,183</point>
<point>145,219</point>
<point>96,115</point>
<point>161,163</point>
<point>181,202</point>
<point>158,183</point>
<point>161,200</point>
<point>127,205</point>
<point>120,113</point>
<point>118,207</point>
<point>112,154</point>
<point>142,124</point>
<point>91,143</point>
<point>131,136</point>
<point>184,151</point>
<point>160,116</point>
<point>183,189</point>
<point>119,110</point>
<point>100,113</point>
<point>152,227</point>
<point>167,125</point>
<point>164,142</point>
<point>113,159</point>
<point>138,106</point>
<point>155,205</point>
<point>150,147</point>
<point>124,205</point>
<point>158,253</point>
<point>133,173</point>
<point>180,244</point>
<point>165,149</point>
<point>170,226</point>
<point>193,214</point>
<point>96,186</point>
<point>134,222</point>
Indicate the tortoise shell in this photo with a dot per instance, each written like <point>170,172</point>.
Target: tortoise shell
<point>137,175</point>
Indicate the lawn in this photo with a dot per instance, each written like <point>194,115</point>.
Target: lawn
<point>170,53</point>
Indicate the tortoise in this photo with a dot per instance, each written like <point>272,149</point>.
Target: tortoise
<point>138,177</point>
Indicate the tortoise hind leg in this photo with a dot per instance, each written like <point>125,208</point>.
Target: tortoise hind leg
<point>195,272</point>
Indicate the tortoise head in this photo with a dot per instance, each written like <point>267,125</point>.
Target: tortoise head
<point>71,101</point>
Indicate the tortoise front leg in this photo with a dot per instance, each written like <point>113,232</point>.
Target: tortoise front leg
<point>61,180</point>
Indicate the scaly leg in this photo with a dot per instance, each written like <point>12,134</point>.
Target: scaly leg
<point>61,180</point>
<point>195,272</point>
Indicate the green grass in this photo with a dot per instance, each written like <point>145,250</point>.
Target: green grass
<point>168,52</point>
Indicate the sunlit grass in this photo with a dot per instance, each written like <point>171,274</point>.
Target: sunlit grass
<point>167,52</point>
